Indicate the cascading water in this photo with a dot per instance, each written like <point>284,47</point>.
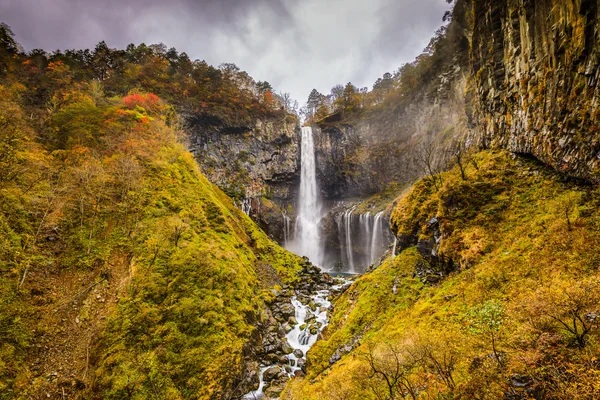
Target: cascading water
<point>305,332</point>
<point>377,238</point>
<point>363,238</point>
<point>348,235</point>
<point>286,229</point>
<point>306,230</point>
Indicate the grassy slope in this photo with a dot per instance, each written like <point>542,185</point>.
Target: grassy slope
<point>519,255</point>
<point>140,279</point>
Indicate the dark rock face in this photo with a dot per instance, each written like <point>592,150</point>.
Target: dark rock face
<point>363,154</point>
<point>257,163</point>
<point>258,159</point>
<point>536,69</point>
<point>339,173</point>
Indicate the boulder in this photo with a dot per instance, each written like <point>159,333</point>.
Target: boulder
<point>286,347</point>
<point>273,392</point>
<point>301,364</point>
<point>271,374</point>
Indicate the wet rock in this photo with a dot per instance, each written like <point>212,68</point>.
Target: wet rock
<point>335,358</point>
<point>301,364</point>
<point>292,321</point>
<point>273,392</point>
<point>271,358</point>
<point>298,353</point>
<point>286,348</point>
<point>271,374</point>
<point>252,380</point>
<point>286,311</point>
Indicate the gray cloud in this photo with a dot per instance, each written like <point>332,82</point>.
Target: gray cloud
<point>294,44</point>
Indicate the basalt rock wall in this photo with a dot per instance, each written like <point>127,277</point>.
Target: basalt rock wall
<point>535,64</point>
<point>262,159</point>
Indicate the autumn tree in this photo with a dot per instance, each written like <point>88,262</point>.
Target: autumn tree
<point>8,48</point>
<point>571,307</point>
<point>350,100</point>
<point>391,370</point>
<point>427,160</point>
<point>315,100</point>
<point>487,319</point>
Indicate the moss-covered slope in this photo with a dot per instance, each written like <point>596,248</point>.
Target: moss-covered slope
<point>124,272</point>
<point>517,317</point>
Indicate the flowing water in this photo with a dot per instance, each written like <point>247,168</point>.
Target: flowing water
<point>302,339</point>
<point>306,230</point>
<point>363,238</point>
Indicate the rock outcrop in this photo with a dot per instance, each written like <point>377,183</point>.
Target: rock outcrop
<point>254,160</point>
<point>536,68</point>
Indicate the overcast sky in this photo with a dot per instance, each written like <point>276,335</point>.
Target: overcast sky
<point>294,44</point>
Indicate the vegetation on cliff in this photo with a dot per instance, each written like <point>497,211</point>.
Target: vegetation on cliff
<point>124,272</point>
<point>415,116</point>
<point>518,316</point>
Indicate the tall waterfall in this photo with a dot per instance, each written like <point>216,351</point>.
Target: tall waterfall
<point>306,231</point>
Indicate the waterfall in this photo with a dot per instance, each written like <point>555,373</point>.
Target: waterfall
<point>286,229</point>
<point>377,238</point>
<point>365,226</point>
<point>394,248</point>
<point>347,219</point>
<point>306,230</point>
<point>363,238</point>
<point>245,205</point>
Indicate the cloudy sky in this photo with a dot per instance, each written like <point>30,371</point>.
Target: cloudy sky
<point>294,44</point>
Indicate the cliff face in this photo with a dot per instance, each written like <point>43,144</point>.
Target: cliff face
<point>359,156</point>
<point>535,66</point>
<point>249,161</point>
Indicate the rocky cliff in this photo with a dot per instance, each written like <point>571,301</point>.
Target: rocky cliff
<point>259,159</point>
<point>359,156</point>
<point>535,67</point>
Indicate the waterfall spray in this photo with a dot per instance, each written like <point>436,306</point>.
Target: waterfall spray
<point>306,230</point>
<point>377,238</point>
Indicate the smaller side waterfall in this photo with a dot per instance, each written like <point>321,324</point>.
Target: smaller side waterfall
<point>362,238</point>
<point>376,238</point>
<point>287,222</point>
<point>348,236</point>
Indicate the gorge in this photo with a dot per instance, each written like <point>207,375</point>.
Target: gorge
<point>174,230</point>
<point>362,238</point>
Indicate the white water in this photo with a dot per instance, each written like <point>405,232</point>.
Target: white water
<point>376,238</point>
<point>286,229</point>
<point>306,230</point>
<point>348,234</point>
<point>394,248</point>
<point>245,205</point>
<point>301,339</point>
<point>363,239</point>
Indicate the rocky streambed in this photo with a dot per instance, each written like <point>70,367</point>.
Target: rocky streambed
<point>292,324</point>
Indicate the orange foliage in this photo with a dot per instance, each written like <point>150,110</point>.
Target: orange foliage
<point>148,101</point>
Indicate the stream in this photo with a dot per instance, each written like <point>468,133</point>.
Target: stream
<point>312,317</point>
